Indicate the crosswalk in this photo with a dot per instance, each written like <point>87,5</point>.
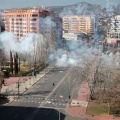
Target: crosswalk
<point>39,102</point>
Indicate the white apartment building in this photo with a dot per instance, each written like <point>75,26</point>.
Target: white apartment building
<point>78,24</point>
<point>113,34</point>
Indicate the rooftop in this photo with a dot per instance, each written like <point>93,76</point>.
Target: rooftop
<point>29,9</point>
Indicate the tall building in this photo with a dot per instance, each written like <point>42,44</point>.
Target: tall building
<point>78,24</point>
<point>113,34</point>
<point>2,27</point>
<point>29,20</point>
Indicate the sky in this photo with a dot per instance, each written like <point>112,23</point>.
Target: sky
<point>7,4</point>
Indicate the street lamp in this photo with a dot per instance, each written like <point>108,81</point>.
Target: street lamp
<point>19,86</point>
<point>55,106</point>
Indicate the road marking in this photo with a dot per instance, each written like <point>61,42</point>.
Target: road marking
<point>57,86</point>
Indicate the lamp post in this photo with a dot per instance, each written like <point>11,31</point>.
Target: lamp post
<point>55,106</point>
<point>19,86</point>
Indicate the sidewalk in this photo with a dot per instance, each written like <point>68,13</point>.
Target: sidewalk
<point>11,89</point>
<point>78,107</point>
<point>82,99</point>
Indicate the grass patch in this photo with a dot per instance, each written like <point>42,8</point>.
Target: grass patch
<point>24,68</point>
<point>95,108</point>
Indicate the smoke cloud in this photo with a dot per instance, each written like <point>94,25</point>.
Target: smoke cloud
<point>8,42</point>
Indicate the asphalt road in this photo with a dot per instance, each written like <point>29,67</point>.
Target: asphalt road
<point>43,101</point>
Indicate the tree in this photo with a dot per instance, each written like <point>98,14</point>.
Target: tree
<point>11,62</point>
<point>19,64</point>
<point>23,56</point>
<point>16,63</point>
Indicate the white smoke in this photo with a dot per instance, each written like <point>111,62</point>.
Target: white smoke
<point>73,57</point>
<point>110,8</point>
<point>8,42</point>
<point>66,12</point>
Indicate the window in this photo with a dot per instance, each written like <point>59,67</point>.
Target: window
<point>33,19</point>
<point>35,15</point>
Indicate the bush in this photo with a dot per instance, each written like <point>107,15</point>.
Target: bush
<point>6,72</point>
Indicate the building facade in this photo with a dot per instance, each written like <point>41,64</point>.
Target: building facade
<point>78,24</point>
<point>28,20</point>
<point>2,27</point>
<point>113,33</point>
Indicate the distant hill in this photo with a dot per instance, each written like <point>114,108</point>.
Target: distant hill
<point>83,8</point>
<point>1,10</point>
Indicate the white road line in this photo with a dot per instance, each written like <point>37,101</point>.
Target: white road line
<point>57,85</point>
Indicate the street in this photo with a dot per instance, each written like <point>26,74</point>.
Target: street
<point>45,100</point>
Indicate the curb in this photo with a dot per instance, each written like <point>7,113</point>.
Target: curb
<point>13,98</point>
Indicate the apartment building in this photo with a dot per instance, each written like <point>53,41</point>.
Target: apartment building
<point>28,20</point>
<point>2,27</point>
<point>113,34</point>
<point>78,24</point>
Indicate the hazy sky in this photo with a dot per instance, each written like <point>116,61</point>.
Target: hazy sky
<point>4,4</point>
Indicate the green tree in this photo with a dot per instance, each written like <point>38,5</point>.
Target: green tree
<point>16,63</point>
<point>11,62</point>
